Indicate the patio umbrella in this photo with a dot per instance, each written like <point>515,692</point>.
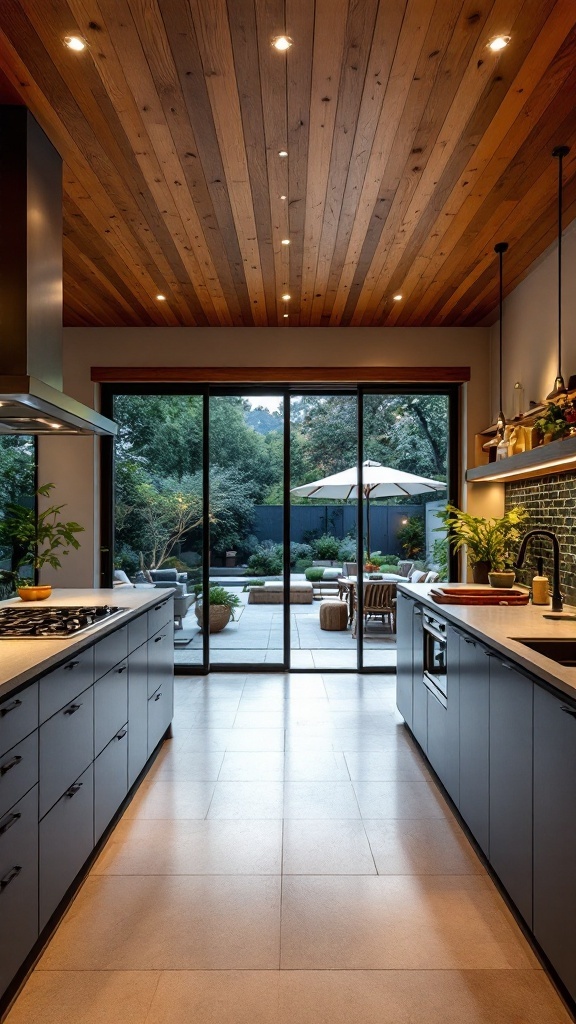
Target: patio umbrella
<point>378,481</point>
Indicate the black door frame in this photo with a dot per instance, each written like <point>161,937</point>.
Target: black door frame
<point>285,391</point>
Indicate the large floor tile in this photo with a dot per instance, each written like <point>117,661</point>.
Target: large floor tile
<point>326,848</point>
<point>418,997</point>
<point>192,765</point>
<point>188,847</point>
<point>216,997</point>
<point>312,766</point>
<point>368,922</point>
<point>260,720</point>
<point>171,797</point>
<point>170,922</point>
<point>382,766</point>
<point>421,846</point>
<point>85,997</point>
<point>401,798</point>
<point>252,766</point>
<point>255,739</point>
<point>320,800</point>
<point>248,800</point>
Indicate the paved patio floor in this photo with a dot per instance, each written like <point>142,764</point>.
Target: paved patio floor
<point>256,638</point>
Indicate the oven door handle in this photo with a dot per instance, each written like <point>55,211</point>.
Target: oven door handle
<point>435,690</point>
<point>441,637</point>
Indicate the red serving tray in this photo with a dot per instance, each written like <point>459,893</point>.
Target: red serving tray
<point>479,595</point>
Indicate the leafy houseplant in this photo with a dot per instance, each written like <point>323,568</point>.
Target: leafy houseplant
<point>552,424</point>
<point>39,539</point>
<point>222,604</point>
<point>489,542</point>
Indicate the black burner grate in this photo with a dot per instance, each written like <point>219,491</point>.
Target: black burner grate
<point>28,623</point>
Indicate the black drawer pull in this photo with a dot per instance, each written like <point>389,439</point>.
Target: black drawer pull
<point>120,735</point>
<point>10,707</point>
<point>70,665</point>
<point>157,607</point>
<point>569,711</point>
<point>8,822</point>
<point>12,874</point>
<point>72,709</point>
<point>121,669</point>
<point>506,665</point>
<point>8,765</point>
<point>158,695</point>
<point>467,640</point>
<point>157,639</point>
<point>74,789</point>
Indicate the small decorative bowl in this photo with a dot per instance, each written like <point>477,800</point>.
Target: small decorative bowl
<point>35,593</point>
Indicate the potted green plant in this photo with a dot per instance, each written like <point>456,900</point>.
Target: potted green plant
<point>489,542</point>
<point>552,424</point>
<point>222,604</point>
<point>40,539</point>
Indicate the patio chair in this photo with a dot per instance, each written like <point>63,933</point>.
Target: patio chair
<point>405,568</point>
<point>418,576</point>
<point>378,601</point>
<point>432,577</point>
<point>350,569</point>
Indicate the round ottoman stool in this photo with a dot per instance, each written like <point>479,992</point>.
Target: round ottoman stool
<point>333,615</point>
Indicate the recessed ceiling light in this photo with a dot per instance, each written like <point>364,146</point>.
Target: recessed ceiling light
<point>397,298</point>
<point>283,197</point>
<point>75,43</point>
<point>161,298</point>
<point>286,297</point>
<point>282,43</point>
<point>285,316</point>
<point>499,43</point>
<point>282,153</point>
<point>285,241</point>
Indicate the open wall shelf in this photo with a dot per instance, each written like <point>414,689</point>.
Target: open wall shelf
<point>556,457</point>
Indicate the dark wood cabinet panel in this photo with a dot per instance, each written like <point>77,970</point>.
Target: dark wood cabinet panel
<point>511,727</point>
<point>554,918</point>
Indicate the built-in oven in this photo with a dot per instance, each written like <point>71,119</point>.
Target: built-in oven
<point>435,669</point>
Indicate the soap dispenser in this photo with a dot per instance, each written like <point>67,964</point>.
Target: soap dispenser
<point>540,587</point>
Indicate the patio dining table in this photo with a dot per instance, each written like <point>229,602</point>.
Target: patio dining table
<point>347,587</point>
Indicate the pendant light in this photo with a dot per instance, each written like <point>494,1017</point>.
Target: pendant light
<point>500,248</point>
<point>559,389</point>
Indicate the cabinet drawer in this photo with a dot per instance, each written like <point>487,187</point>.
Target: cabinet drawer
<point>160,658</point>
<point>18,716</point>
<point>110,705</point>
<point>137,632</point>
<point>66,840</point>
<point>66,682</point>
<point>66,748</point>
<point>110,781</point>
<point>159,715</point>
<point>18,885</point>
<point>18,771</point>
<point>110,651</point>
<point>137,713</point>
<point>161,615</point>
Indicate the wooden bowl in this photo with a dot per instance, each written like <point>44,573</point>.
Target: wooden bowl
<point>35,593</point>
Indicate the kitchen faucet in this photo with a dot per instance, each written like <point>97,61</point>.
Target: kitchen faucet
<point>556,595</point>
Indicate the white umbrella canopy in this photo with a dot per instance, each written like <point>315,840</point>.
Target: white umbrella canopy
<point>378,481</point>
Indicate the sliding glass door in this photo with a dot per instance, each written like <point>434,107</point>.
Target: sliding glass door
<point>284,517</point>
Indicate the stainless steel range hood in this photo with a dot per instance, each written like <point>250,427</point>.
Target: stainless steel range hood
<point>31,397</point>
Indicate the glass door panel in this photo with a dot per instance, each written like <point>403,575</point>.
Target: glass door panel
<point>247,529</point>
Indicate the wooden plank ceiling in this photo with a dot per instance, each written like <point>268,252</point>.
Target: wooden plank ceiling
<point>412,149</point>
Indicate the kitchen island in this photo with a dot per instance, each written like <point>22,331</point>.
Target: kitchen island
<point>497,722</point>
<point>80,719</point>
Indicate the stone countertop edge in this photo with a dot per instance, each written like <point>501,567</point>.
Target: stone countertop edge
<point>22,661</point>
<point>498,625</point>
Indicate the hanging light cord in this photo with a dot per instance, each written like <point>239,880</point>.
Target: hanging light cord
<point>501,248</point>
<point>560,152</point>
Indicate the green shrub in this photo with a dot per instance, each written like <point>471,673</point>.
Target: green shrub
<point>175,563</point>
<point>348,549</point>
<point>412,536</point>
<point>302,564</point>
<point>388,568</point>
<point>387,559</point>
<point>252,583</point>
<point>219,595</point>
<point>300,552</point>
<point>326,548</point>
<point>314,574</point>
<point>266,560</point>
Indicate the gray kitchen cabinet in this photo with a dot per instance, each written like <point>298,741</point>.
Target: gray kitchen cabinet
<point>419,691</point>
<point>474,799</point>
<point>66,840</point>
<point>110,651</point>
<point>511,726</point>
<point>137,632</point>
<point>162,614</point>
<point>444,722</point>
<point>59,687</point>
<point>159,715</point>
<point>18,716</point>
<point>110,781</point>
<point>404,648</point>
<point>160,658</point>
<point>137,712</point>
<point>66,748</point>
<point>18,771</point>
<point>554,914</point>
<point>110,705</point>
<point>18,885</point>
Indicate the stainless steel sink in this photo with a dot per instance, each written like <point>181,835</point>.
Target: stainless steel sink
<point>562,651</point>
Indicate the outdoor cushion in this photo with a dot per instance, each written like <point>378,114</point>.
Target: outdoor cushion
<point>164,574</point>
<point>331,574</point>
<point>121,577</point>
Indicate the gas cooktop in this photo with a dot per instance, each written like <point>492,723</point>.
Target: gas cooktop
<point>18,623</point>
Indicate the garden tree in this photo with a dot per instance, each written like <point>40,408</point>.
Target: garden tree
<point>16,469</point>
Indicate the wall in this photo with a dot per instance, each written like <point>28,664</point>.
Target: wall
<point>72,463</point>
<point>551,501</point>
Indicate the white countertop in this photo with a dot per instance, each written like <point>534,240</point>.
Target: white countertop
<point>23,660</point>
<point>498,625</point>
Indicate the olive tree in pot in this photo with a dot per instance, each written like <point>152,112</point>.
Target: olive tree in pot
<point>490,543</point>
<point>222,604</point>
<point>38,539</point>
